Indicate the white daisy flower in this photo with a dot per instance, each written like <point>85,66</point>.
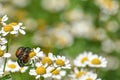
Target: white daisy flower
<point>12,66</point>
<point>12,28</point>
<point>6,29</point>
<point>40,70</point>
<point>18,28</point>
<point>82,59</point>
<point>57,73</point>
<point>23,69</point>
<point>3,19</point>
<point>61,61</point>
<point>89,76</point>
<point>48,59</point>
<point>77,74</point>
<point>3,41</point>
<point>36,53</point>
<point>97,61</point>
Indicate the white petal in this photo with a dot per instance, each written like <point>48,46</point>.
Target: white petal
<point>22,31</point>
<point>62,73</point>
<point>4,18</point>
<point>3,47</point>
<point>7,55</point>
<point>38,76</point>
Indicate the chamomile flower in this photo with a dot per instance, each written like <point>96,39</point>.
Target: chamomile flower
<point>3,41</point>
<point>89,76</point>
<point>97,61</point>
<point>63,62</point>
<point>77,74</point>
<point>6,29</point>
<point>36,53</point>
<point>3,19</point>
<point>12,28</point>
<point>82,59</point>
<point>48,59</point>
<point>57,73</point>
<point>18,28</point>
<point>12,66</point>
<point>40,70</point>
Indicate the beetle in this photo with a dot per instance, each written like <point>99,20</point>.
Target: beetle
<point>22,54</point>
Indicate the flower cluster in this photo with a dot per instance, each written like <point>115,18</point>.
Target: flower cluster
<point>83,75</point>
<point>48,66</point>
<point>87,61</point>
<point>5,32</point>
<point>40,65</point>
<point>91,60</point>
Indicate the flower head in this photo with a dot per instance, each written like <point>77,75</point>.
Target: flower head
<point>82,59</point>
<point>57,73</point>
<point>40,70</point>
<point>63,62</point>
<point>97,61</point>
<point>12,66</point>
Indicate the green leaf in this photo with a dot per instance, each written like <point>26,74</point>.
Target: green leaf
<point>6,77</point>
<point>22,76</point>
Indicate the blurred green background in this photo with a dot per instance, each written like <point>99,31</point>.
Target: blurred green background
<point>69,27</point>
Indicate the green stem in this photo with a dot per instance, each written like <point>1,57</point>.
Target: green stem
<point>9,40</point>
<point>33,63</point>
<point>4,65</point>
<point>41,78</point>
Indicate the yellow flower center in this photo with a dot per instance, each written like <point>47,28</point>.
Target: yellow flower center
<point>1,53</point>
<point>89,79</point>
<point>84,59</point>
<point>46,60</point>
<point>55,72</point>
<point>79,74</point>
<point>32,54</point>
<point>8,28</point>
<point>60,62</point>
<point>40,70</point>
<point>13,24</point>
<point>12,66</point>
<point>95,61</point>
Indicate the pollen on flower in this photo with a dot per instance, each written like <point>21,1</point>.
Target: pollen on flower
<point>46,60</point>
<point>8,28</point>
<point>40,70</point>
<point>95,61</point>
<point>13,24</point>
<point>60,62</point>
<point>89,79</point>
<point>55,72</point>
<point>1,53</point>
<point>12,66</point>
<point>79,74</point>
<point>32,54</point>
<point>84,59</point>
